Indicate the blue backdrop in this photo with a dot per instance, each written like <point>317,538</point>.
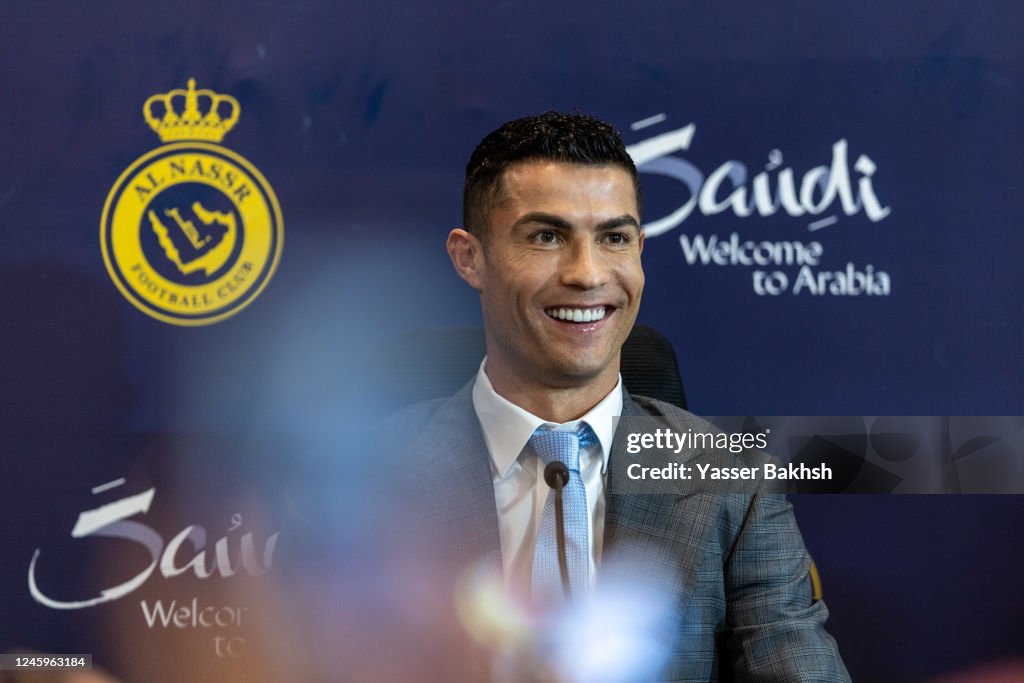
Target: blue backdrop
<point>834,229</point>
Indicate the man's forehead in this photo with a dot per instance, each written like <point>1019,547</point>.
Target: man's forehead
<point>543,177</point>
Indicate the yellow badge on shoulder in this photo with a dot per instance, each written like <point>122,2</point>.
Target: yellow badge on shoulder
<point>191,232</point>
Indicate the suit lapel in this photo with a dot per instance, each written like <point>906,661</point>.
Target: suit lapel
<point>458,470</point>
<point>649,532</point>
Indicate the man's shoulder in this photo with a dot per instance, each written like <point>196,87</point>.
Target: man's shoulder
<point>652,407</point>
<point>415,418</point>
<point>412,418</point>
<point>653,410</point>
<point>435,430</point>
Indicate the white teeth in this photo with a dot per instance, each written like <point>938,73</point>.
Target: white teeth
<point>577,315</point>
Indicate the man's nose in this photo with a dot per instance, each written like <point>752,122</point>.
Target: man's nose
<point>584,266</point>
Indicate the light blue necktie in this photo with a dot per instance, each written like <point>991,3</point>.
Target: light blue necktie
<point>562,447</point>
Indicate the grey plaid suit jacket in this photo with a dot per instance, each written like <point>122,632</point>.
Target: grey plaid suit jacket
<point>735,563</point>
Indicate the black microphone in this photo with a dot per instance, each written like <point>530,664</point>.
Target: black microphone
<point>556,475</point>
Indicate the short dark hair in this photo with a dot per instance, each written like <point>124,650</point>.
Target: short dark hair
<point>552,136</point>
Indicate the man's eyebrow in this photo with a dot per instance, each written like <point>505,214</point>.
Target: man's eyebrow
<point>618,222</point>
<point>557,221</point>
<point>554,220</point>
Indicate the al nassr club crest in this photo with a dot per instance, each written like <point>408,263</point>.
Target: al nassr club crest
<point>191,232</point>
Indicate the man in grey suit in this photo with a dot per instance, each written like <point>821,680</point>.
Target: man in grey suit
<point>552,244</point>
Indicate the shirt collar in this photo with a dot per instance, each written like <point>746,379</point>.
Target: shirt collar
<point>507,427</point>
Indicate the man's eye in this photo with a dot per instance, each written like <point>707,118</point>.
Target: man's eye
<point>546,237</point>
<point>617,238</point>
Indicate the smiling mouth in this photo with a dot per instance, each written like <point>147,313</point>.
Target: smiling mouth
<point>578,315</point>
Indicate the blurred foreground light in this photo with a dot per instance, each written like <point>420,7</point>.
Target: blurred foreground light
<point>620,634</point>
<point>488,613</point>
<point>623,632</point>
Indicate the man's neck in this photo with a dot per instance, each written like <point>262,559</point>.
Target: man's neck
<point>554,404</point>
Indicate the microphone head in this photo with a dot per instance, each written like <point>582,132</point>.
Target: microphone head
<point>556,474</point>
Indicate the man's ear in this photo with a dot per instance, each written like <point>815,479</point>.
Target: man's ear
<point>467,255</point>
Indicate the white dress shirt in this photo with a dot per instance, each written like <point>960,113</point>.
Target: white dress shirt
<point>518,474</point>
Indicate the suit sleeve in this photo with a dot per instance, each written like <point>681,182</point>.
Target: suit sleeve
<point>775,631</point>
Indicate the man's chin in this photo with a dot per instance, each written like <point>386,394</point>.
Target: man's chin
<point>576,375</point>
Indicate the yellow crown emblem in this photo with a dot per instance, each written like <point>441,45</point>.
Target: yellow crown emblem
<point>219,115</point>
